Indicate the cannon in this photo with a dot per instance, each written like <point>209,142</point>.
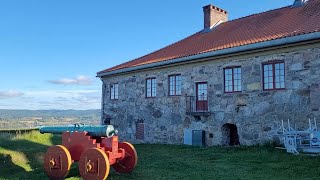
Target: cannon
<point>95,148</point>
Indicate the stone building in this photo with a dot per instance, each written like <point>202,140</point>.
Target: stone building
<point>232,82</point>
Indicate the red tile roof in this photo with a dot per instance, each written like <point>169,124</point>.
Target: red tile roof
<point>275,24</point>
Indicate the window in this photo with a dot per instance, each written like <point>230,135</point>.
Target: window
<point>273,76</point>
<point>175,85</point>
<point>114,91</point>
<point>232,79</point>
<point>151,87</point>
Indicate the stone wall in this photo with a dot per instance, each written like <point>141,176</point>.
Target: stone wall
<point>253,110</point>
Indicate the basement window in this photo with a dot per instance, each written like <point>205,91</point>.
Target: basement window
<point>232,79</point>
<point>151,87</point>
<point>273,76</point>
<point>114,91</point>
<point>175,85</point>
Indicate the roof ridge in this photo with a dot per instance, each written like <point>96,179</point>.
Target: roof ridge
<point>289,6</point>
<point>259,13</point>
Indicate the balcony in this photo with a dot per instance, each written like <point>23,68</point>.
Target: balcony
<point>197,106</point>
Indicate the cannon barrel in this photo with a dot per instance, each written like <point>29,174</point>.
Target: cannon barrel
<point>92,130</point>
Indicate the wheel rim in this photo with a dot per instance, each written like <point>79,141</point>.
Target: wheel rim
<point>94,164</point>
<point>129,162</point>
<point>57,162</point>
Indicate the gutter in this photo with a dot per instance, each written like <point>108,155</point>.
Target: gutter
<point>261,45</point>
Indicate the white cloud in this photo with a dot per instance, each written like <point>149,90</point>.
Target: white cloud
<point>55,99</point>
<point>80,80</point>
<point>60,93</point>
<point>10,94</point>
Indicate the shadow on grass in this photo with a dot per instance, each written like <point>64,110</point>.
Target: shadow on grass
<point>7,166</point>
<point>23,158</point>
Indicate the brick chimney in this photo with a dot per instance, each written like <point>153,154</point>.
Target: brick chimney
<point>213,16</point>
<point>299,3</point>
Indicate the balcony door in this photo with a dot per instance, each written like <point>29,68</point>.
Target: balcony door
<point>202,97</point>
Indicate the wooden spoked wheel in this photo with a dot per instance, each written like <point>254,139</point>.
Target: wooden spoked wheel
<point>57,162</point>
<point>94,164</point>
<point>129,162</point>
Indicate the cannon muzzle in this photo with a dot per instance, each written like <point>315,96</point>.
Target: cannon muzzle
<point>92,130</point>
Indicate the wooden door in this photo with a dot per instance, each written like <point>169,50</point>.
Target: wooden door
<point>202,97</point>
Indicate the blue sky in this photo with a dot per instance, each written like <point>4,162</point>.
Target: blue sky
<point>50,51</point>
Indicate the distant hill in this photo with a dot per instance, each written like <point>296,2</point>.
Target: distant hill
<point>48,114</point>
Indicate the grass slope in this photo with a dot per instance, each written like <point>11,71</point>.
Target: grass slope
<point>21,158</point>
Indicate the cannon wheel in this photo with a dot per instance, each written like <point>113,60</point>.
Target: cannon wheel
<point>129,162</point>
<point>94,164</point>
<point>57,162</point>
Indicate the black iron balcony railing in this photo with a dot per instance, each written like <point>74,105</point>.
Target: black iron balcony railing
<point>197,105</point>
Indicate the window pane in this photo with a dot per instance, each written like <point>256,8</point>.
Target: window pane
<point>282,66</point>
<point>178,78</point>
<point>154,92</point>
<point>277,73</point>
<point>112,95</point>
<point>238,86</point>
<point>270,85</point>
<point>277,79</point>
<point>178,90</point>
<point>227,77</point>
<point>148,92</point>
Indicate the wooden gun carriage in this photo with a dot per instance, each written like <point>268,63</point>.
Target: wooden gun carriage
<point>95,148</point>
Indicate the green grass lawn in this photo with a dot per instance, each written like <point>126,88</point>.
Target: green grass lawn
<point>21,158</point>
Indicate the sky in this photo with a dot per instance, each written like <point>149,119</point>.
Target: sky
<point>51,50</point>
